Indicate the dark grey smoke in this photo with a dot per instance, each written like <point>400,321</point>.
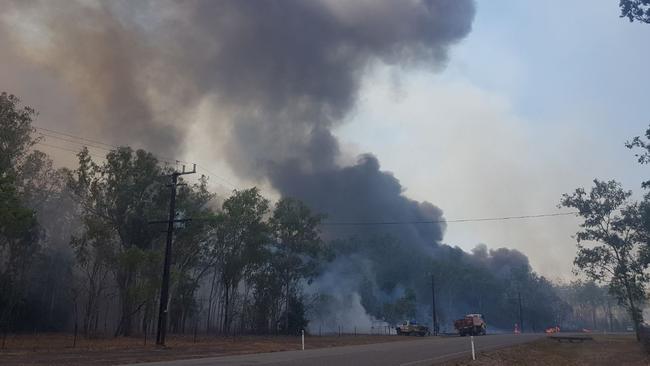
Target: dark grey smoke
<point>281,74</point>
<point>362,193</point>
<point>291,70</point>
<point>100,59</point>
<point>500,261</point>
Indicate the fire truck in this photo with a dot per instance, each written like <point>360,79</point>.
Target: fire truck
<point>471,324</point>
<point>411,327</point>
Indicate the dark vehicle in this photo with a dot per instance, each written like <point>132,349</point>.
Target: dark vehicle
<point>412,328</point>
<point>471,324</point>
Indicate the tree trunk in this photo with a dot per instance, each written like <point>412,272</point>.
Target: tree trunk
<point>633,310</point>
<point>124,327</point>
<point>593,317</point>
<point>286,318</point>
<point>610,316</point>
<point>226,309</point>
<point>210,299</point>
<point>87,315</point>
<point>145,321</point>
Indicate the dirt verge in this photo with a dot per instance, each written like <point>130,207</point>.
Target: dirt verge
<point>602,351</point>
<point>56,349</point>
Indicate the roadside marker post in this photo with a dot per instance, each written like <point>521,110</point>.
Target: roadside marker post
<point>473,354</point>
<point>303,339</point>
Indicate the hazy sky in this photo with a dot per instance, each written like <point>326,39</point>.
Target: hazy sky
<point>537,100</point>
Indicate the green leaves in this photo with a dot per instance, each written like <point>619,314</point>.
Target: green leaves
<point>116,199</point>
<point>16,221</point>
<point>15,133</point>
<point>644,156</point>
<point>638,10</point>
<point>610,246</point>
<point>297,244</point>
<point>240,233</point>
<point>19,174</point>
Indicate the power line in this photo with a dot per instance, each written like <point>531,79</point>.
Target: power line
<point>75,152</point>
<point>428,222</point>
<point>110,147</point>
<point>73,141</point>
<point>394,223</point>
<point>223,180</point>
<point>86,144</point>
<point>503,218</point>
<point>73,136</point>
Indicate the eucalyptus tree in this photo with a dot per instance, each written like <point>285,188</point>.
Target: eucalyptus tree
<point>19,229</point>
<point>609,249</point>
<point>297,248</point>
<point>635,10</point>
<point>191,251</point>
<point>237,243</point>
<point>117,198</point>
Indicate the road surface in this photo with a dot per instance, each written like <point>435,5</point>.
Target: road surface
<point>426,351</point>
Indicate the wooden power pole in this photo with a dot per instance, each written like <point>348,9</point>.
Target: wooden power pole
<point>433,305</point>
<point>164,288</point>
<point>521,315</point>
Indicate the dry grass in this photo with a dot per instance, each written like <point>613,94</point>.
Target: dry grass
<point>56,349</point>
<point>603,350</point>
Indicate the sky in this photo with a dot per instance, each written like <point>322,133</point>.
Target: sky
<point>537,100</point>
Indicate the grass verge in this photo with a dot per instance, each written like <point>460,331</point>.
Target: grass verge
<point>604,350</point>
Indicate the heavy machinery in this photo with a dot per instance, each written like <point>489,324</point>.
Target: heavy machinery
<point>411,327</point>
<point>471,324</point>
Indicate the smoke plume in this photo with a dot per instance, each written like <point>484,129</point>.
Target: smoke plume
<point>281,74</point>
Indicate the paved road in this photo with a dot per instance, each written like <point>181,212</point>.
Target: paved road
<point>408,353</point>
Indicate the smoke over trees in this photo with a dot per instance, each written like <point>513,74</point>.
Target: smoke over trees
<point>281,76</point>
<point>244,266</point>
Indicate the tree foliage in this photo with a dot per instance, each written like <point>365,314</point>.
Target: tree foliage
<point>238,243</point>
<point>116,199</point>
<point>609,249</point>
<point>15,133</point>
<point>643,157</point>
<point>19,230</point>
<point>635,10</point>
<point>77,249</point>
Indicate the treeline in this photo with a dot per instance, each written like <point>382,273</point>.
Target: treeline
<point>251,256</point>
<point>80,249</point>
<point>396,284</point>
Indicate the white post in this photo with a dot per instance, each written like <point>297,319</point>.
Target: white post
<point>473,354</point>
<point>303,339</point>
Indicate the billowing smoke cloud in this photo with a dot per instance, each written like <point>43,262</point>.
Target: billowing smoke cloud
<point>362,193</point>
<point>100,59</point>
<point>281,74</point>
